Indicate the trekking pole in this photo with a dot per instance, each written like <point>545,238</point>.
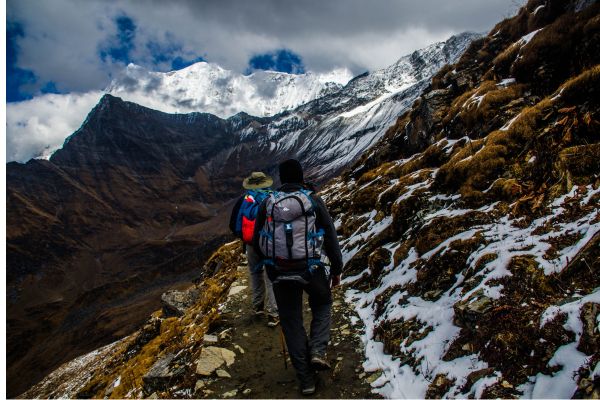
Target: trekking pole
<point>283,347</point>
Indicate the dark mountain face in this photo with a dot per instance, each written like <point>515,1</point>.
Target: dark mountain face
<point>94,235</point>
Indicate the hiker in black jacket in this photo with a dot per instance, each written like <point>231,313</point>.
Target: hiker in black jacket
<point>307,354</point>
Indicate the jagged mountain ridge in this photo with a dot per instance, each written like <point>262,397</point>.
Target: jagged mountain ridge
<point>330,132</point>
<point>471,231</point>
<point>134,199</point>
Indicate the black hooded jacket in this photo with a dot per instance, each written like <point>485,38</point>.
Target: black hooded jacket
<point>323,221</point>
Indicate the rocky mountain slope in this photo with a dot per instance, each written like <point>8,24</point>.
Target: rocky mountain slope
<point>137,198</point>
<point>471,231</point>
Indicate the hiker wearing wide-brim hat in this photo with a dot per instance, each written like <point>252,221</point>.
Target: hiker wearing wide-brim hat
<point>257,180</point>
<point>241,223</point>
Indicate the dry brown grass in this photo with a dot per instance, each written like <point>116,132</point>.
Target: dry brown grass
<point>505,59</point>
<point>564,48</point>
<point>579,163</point>
<point>464,101</point>
<point>375,173</point>
<point>584,86</point>
<point>489,156</point>
<point>480,106</point>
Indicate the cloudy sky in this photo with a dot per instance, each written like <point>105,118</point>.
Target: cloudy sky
<point>73,47</point>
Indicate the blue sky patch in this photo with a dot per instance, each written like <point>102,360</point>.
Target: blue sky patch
<point>181,63</point>
<point>16,77</point>
<point>120,45</point>
<point>282,60</point>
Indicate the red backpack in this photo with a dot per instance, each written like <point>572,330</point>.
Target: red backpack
<point>246,218</point>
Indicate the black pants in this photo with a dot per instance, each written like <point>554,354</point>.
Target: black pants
<point>288,295</point>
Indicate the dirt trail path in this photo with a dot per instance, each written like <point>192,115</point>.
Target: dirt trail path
<point>259,372</point>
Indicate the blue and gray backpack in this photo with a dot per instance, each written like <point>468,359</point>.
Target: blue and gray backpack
<point>289,238</point>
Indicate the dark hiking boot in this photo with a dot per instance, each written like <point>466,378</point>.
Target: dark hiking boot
<point>272,321</point>
<point>308,388</point>
<point>258,312</point>
<point>319,362</point>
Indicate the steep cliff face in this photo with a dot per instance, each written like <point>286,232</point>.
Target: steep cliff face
<point>471,230</point>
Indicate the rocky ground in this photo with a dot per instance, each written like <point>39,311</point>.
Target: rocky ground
<point>259,370</point>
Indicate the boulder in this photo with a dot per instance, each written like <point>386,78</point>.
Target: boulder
<point>590,338</point>
<point>212,358</point>
<point>162,374</point>
<point>467,312</point>
<point>176,302</point>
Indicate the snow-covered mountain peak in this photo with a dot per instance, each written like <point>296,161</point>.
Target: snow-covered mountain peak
<point>207,87</point>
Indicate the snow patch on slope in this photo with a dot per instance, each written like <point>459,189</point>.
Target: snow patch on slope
<point>504,238</point>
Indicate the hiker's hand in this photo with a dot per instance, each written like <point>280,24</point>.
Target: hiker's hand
<point>335,280</point>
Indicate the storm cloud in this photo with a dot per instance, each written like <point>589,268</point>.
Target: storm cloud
<point>79,45</point>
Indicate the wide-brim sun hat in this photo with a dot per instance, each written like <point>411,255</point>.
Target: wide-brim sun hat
<point>257,180</point>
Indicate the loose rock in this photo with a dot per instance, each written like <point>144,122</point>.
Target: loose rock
<point>235,290</point>
<point>373,377</point>
<point>161,374</point>
<point>210,359</point>
<point>221,373</point>
<point>239,348</point>
<point>199,385</point>
<point>211,339</point>
<point>176,302</point>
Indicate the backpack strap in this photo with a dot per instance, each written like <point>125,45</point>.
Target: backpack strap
<point>308,194</point>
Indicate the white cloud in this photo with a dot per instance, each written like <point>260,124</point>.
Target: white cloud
<point>63,37</point>
<point>39,126</point>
